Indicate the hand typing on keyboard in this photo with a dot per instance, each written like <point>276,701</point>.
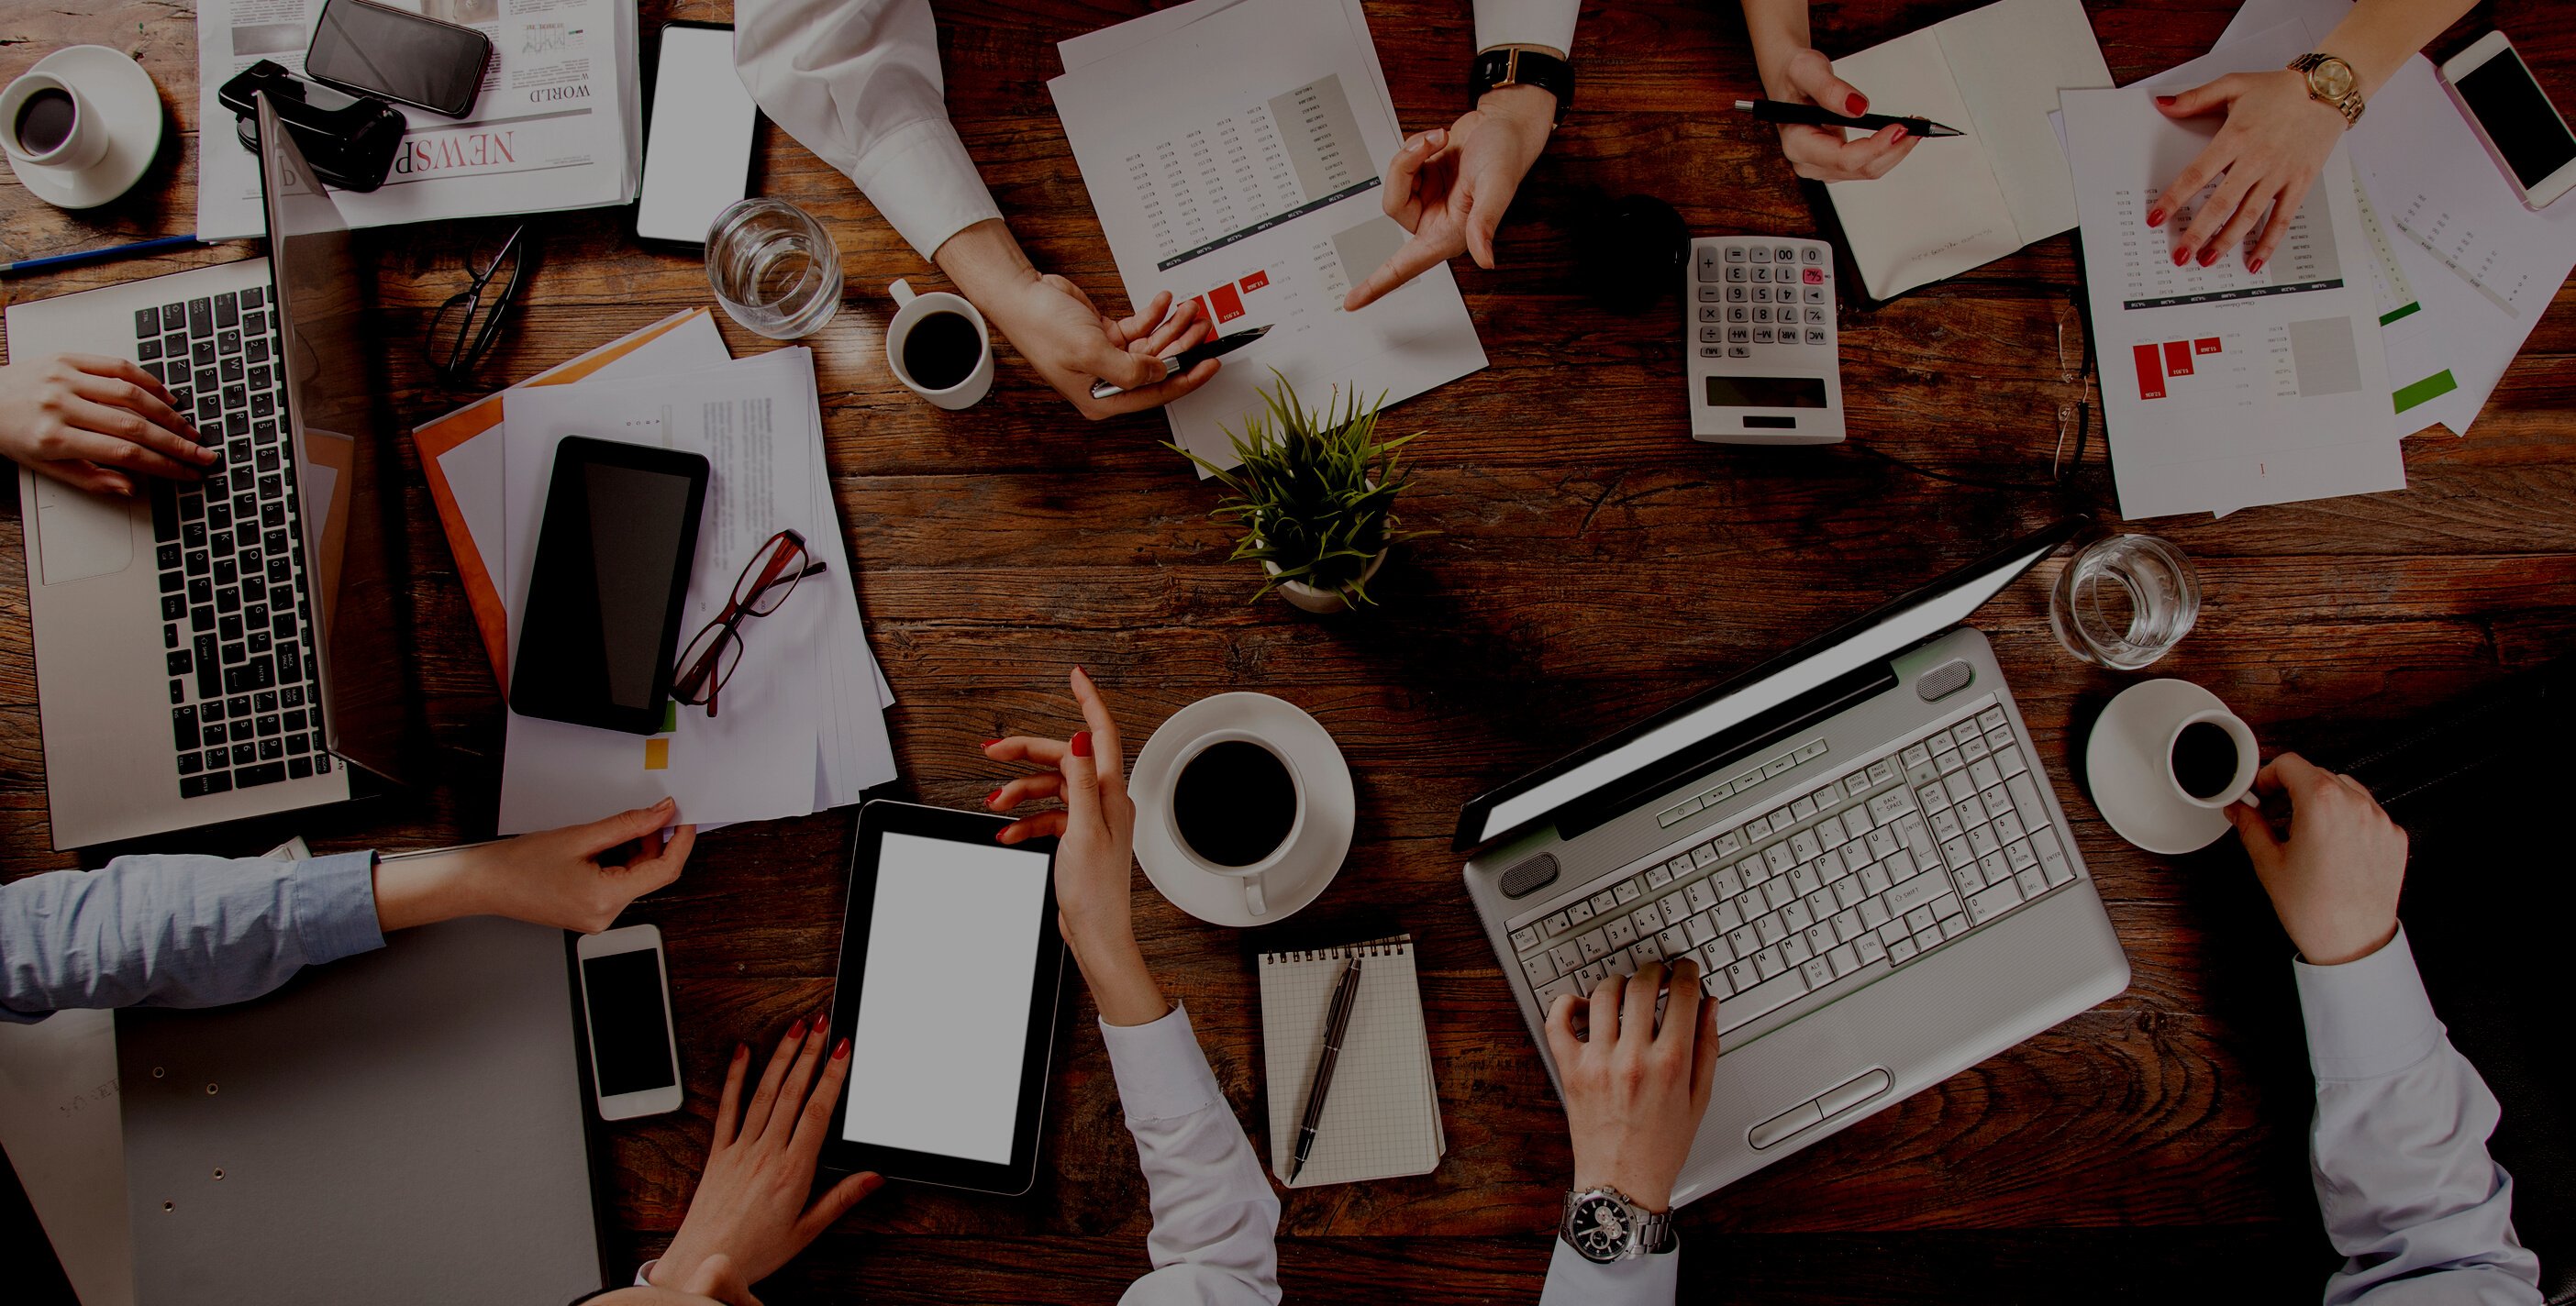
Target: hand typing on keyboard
<point>2334,870</point>
<point>1634,1092</point>
<point>89,421</point>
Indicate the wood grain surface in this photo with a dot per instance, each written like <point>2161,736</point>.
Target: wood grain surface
<point>1592,565</point>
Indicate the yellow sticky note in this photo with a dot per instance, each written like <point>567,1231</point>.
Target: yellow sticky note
<point>657,754</point>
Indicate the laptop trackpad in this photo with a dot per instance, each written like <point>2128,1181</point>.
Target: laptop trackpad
<point>82,535</point>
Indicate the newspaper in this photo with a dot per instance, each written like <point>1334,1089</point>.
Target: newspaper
<point>558,124</point>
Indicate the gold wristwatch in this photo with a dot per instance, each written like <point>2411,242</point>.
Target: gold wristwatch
<point>2332,82</point>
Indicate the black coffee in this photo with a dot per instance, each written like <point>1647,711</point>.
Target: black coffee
<point>45,120</point>
<point>942,350</point>
<point>2204,760</point>
<point>1234,803</point>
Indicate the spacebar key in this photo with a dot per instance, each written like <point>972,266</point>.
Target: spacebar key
<point>1761,1000</point>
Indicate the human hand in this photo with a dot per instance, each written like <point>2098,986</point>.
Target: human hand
<point>2335,879</point>
<point>1634,1094</point>
<point>1450,187</point>
<point>2264,159</point>
<point>562,878</point>
<point>1095,856</point>
<point>1806,76</point>
<point>1065,336</point>
<point>750,1209</point>
<point>88,421</point>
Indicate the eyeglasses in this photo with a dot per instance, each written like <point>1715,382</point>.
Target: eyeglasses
<point>766,581</point>
<point>470,320</point>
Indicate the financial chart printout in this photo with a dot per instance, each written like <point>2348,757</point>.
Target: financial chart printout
<point>1234,159</point>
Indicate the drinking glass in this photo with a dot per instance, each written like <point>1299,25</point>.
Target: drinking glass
<point>2124,601</point>
<point>774,268</point>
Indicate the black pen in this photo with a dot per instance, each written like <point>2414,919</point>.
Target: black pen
<point>1345,997</point>
<point>1808,115</point>
<point>1189,358</point>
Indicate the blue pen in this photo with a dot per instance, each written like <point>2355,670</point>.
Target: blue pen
<point>27,265</point>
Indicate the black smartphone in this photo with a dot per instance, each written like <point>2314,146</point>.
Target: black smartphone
<point>697,148</point>
<point>612,569</point>
<point>374,50</point>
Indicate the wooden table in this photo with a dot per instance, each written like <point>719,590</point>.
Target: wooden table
<point>1593,565</point>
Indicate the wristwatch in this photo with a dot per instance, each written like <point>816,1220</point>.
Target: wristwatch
<point>1603,1226</point>
<point>2331,81</point>
<point>1522,65</point>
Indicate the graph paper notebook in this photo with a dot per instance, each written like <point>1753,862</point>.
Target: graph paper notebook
<point>1382,1114</point>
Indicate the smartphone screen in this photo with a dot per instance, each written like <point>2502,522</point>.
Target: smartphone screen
<point>613,558</point>
<point>402,56</point>
<point>2517,117</point>
<point>630,1031</point>
<point>697,152</point>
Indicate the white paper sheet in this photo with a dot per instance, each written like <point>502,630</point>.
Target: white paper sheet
<point>1235,158</point>
<point>557,126</point>
<point>2222,388</point>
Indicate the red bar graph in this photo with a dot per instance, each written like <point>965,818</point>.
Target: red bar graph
<point>1254,282</point>
<point>2177,358</point>
<point>1227,301</point>
<point>2205,345</point>
<point>2151,372</point>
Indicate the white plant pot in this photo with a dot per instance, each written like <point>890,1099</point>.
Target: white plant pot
<point>1313,599</point>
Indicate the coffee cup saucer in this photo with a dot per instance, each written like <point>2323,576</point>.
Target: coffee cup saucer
<point>1309,864</point>
<point>128,106</point>
<point>2126,768</point>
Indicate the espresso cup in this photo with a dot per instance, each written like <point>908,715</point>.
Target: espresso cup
<point>1225,813</point>
<point>2197,753</point>
<point>40,99</point>
<point>911,311</point>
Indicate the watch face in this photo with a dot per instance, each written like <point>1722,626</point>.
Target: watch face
<point>1599,1229</point>
<point>2331,78</point>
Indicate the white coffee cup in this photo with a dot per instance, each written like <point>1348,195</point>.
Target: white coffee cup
<point>2248,757</point>
<point>86,143</point>
<point>910,309</point>
<point>1254,901</point>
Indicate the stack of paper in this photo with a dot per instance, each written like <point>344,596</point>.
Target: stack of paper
<point>559,125</point>
<point>802,726</point>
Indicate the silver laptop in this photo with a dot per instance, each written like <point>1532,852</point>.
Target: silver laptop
<point>1858,843</point>
<point>212,651</point>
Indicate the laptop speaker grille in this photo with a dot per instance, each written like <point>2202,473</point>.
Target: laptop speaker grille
<point>1530,876</point>
<point>1944,680</point>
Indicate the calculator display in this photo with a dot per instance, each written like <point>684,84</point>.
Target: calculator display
<point>1766,392</point>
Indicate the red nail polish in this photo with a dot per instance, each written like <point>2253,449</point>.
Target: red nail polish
<point>2255,266</point>
<point>741,1050</point>
<point>1082,744</point>
<point>2180,255</point>
<point>2164,101</point>
<point>841,1052</point>
<point>797,1030</point>
<point>1857,105</point>
<point>995,798</point>
<point>2209,256</point>
<point>1898,136</point>
<point>2155,217</point>
<point>990,742</point>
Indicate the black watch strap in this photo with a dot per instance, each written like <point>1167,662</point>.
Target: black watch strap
<point>1514,65</point>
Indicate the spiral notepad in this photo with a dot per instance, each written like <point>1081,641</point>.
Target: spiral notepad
<point>1382,1114</point>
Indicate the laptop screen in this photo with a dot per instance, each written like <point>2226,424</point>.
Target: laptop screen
<point>341,436</point>
<point>1539,796</point>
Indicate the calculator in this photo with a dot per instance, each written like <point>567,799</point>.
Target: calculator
<point>1763,361</point>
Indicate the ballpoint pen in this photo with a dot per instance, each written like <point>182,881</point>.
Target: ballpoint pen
<point>1345,995</point>
<point>1189,358</point>
<point>1808,115</point>
<point>154,246</point>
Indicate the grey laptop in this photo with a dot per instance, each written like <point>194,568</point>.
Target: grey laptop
<point>216,651</point>
<point>1856,840</point>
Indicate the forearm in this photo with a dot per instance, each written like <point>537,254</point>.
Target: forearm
<point>987,264</point>
<point>1778,29</point>
<point>1113,968</point>
<point>432,887</point>
<point>2378,36</point>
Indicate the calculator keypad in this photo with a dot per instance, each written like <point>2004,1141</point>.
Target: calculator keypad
<point>1760,314</point>
<point>1777,294</point>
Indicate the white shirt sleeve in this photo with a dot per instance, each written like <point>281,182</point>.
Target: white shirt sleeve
<point>1646,1281</point>
<point>1527,22</point>
<point>2399,1155</point>
<point>1216,1222</point>
<point>857,82</point>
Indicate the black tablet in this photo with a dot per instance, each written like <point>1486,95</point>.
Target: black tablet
<point>605,592</point>
<point>949,975</point>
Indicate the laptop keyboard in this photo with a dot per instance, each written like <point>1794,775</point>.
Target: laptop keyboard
<point>235,622</point>
<point>1845,883</point>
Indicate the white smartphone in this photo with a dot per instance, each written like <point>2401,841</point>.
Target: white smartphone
<point>697,150</point>
<point>626,1005</point>
<point>2523,130</point>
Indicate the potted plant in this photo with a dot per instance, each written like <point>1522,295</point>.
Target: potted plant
<point>1315,493</point>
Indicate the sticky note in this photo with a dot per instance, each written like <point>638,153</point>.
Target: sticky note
<point>657,754</point>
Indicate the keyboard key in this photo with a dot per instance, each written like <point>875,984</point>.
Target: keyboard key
<point>1540,969</point>
<point>268,773</point>
<point>245,754</point>
<point>227,309</point>
<point>299,768</point>
<point>1523,939</point>
<point>201,317</point>
<point>2052,859</point>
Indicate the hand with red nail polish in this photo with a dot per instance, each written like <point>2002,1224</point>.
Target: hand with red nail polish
<point>1793,72</point>
<point>2260,166</point>
<point>749,1215</point>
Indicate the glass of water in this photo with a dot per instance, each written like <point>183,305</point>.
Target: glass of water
<point>2124,601</point>
<point>774,268</point>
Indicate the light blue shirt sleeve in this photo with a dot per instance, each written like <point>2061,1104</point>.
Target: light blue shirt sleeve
<point>1216,1221</point>
<point>178,931</point>
<point>2410,1197</point>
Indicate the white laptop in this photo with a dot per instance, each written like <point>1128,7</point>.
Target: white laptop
<point>1858,843</point>
<point>212,651</point>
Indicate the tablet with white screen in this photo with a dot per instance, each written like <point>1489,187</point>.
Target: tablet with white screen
<point>949,976</point>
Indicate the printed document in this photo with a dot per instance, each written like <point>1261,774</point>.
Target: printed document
<point>2223,388</point>
<point>559,123</point>
<point>1234,159</point>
